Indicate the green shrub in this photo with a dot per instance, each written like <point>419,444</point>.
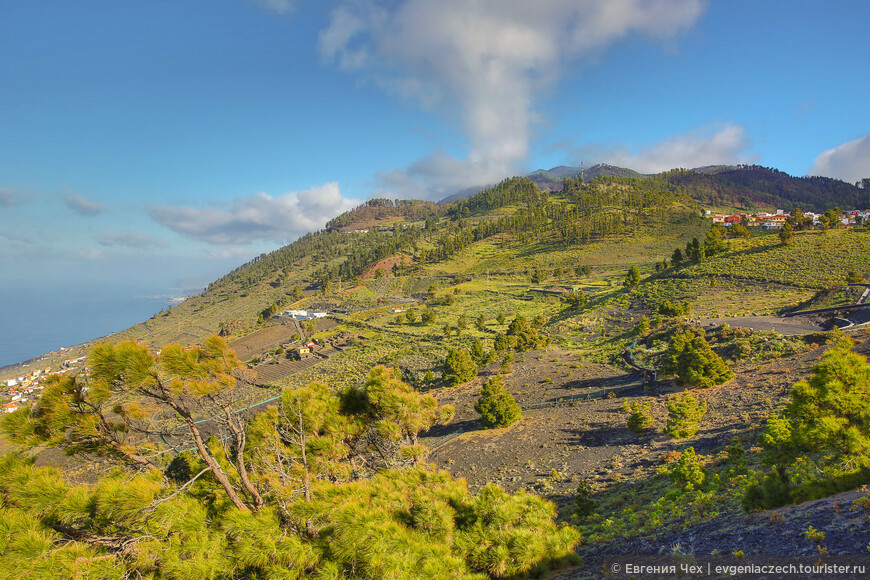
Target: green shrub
<point>690,358</point>
<point>640,416</point>
<point>459,367</point>
<point>688,471</point>
<point>642,327</point>
<point>525,336</point>
<point>584,505</point>
<point>496,405</point>
<point>632,279</point>
<point>684,413</point>
<point>668,308</point>
<point>741,348</point>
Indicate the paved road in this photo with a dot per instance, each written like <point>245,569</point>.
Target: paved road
<point>785,326</point>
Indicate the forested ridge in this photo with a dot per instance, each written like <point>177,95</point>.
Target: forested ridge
<point>583,212</point>
<point>589,213</point>
<point>757,186</point>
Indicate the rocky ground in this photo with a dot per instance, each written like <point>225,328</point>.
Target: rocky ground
<point>574,428</point>
<point>573,422</point>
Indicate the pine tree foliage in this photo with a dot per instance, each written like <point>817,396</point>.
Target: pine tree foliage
<point>496,405</point>
<point>639,416</point>
<point>688,471</point>
<point>523,335</point>
<point>328,508</point>
<point>413,523</point>
<point>459,367</point>
<point>692,361</point>
<point>831,410</point>
<point>632,279</point>
<point>684,414</point>
<point>826,423</point>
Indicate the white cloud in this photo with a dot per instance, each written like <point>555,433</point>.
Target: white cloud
<point>17,238</point>
<point>697,148</point>
<point>849,161</point>
<point>231,252</point>
<point>257,217</point>
<point>489,60</point>
<point>82,205</point>
<point>131,240</point>
<point>91,255</point>
<point>10,197</point>
<point>279,6</point>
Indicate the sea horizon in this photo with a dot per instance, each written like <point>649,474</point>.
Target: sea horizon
<point>39,320</point>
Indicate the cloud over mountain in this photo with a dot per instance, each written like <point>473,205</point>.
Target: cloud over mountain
<point>704,146</point>
<point>849,161</point>
<point>257,217</point>
<point>486,63</point>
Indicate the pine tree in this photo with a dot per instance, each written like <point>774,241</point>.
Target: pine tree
<point>786,234</point>
<point>684,414</point>
<point>639,416</point>
<point>632,279</point>
<point>694,363</point>
<point>830,411</point>
<point>688,471</point>
<point>826,422</point>
<point>428,316</point>
<point>459,367</point>
<point>329,505</point>
<point>496,405</point>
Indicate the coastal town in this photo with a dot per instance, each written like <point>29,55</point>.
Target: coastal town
<point>23,390</point>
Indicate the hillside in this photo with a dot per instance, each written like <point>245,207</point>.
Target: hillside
<point>753,186</point>
<point>569,299</point>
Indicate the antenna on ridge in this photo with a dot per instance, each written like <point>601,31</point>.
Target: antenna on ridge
<point>582,180</point>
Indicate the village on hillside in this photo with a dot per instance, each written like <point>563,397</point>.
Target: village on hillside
<point>772,221</point>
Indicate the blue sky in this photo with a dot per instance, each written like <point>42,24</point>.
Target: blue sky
<point>163,143</point>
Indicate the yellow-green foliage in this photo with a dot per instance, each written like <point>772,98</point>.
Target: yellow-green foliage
<point>414,523</point>
<point>684,414</point>
<point>377,526</point>
<point>30,550</point>
<point>692,361</point>
<point>278,498</point>
<point>639,415</point>
<point>821,443</point>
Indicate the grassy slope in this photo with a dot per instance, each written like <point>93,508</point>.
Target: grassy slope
<point>635,501</point>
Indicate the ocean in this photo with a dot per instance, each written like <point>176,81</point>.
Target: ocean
<point>36,320</point>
